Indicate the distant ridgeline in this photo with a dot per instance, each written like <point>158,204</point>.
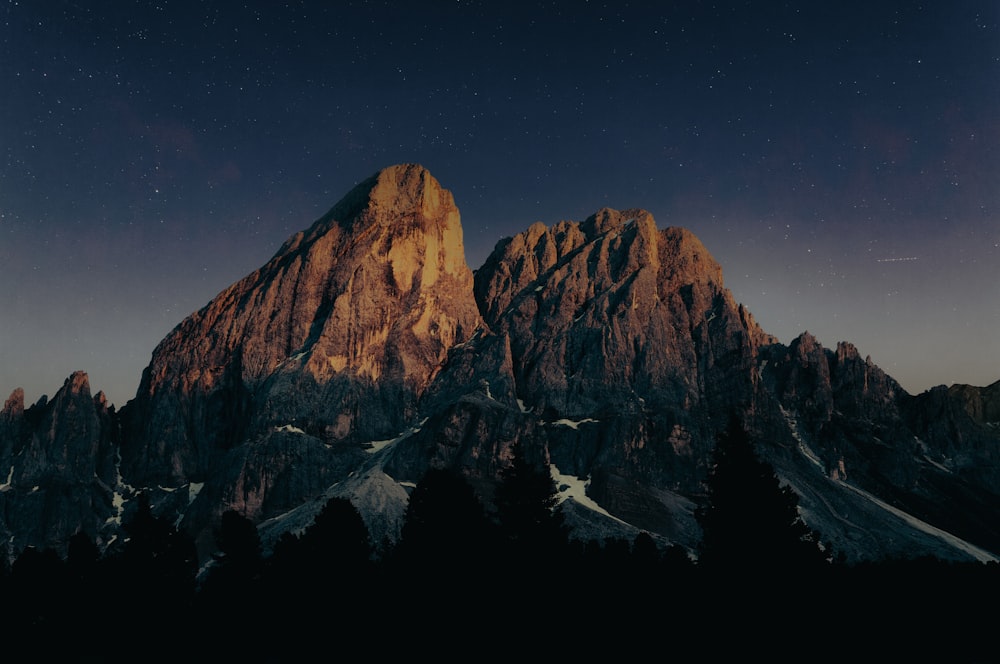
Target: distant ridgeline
<point>366,353</point>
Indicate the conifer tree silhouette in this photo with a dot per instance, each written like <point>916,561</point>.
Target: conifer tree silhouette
<point>445,528</point>
<point>330,565</point>
<point>235,574</point>
<point>751,522</point>
<point>87,601</point>
<point>337,538</point>
<point>443,515</point>
<point>156,573</point>
<point>532,525</point>
<point>38,584</point>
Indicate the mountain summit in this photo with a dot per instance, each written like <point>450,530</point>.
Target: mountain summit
<point>338,334</point>
<point>366,352</point>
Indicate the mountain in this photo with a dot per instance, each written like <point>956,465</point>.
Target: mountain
<point>366,352</point>
<point>62,475</point>
<point>270,392</point>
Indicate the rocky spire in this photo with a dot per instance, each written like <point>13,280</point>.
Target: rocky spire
<point>14,406</point>
<point>611,309</point>
<point>57,466</point>
<point>339,333</point>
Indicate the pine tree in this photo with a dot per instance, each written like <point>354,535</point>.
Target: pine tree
<point>155,573</point>
<point>751,522</point>
<point>532,525</point>
<point>445,524</point>
<point>237,566</point>
<point>338,538</point>
<point>447,542</point>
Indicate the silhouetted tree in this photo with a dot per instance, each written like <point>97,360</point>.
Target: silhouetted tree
<point>338,540</point>
<point>38,590</point>
<point>234,575</point>
<point>751,522</point>
<point>324,576</point>
<point>332,554</point>
<point>232,583</point>
<point>676,560</point>
<point>446,533</point>
<point>82,555</point>
<point>532,525</point>
<point>646,555</point>
<point>155,572</point>
<point>87,598</point>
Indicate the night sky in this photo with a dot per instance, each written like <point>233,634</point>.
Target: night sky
<point>841,160</point>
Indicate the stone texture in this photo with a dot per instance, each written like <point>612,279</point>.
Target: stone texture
<point>366,351</point>
<point>339,334</point>
<point>57,460</point>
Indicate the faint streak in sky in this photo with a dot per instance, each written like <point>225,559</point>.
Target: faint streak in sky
<point>896,260</point>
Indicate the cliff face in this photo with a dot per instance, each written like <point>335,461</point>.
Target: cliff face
<point>924,457</point>
<point>332,343</point>
<point>366,351</point>
<point>613,352</point>
<point>59,472</point>
<point>612,313</point>
<point>338,334</point>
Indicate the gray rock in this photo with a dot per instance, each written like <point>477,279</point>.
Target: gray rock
<point>366,351</point>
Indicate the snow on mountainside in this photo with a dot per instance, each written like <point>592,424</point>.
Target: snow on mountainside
<point>366,352</point>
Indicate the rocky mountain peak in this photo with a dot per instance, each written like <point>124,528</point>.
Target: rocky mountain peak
<point>610,310</point>
<point>78,382</point>
<point>359,309</point>
<point>409,188</point>
<point>366,351</point>
<point>685,259</point>
<point>58,459</point>
<point>14,406</point>
<point>981,403</point>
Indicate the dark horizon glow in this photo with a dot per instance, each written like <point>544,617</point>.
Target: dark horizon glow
<point>841,161</point>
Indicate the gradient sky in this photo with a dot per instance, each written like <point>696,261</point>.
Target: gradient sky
<point>841,160</point>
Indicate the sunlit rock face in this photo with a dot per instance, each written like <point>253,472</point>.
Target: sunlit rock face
<point>366,351</point>
<point>612,313</point>
<point>613,350</point>
<point>338,334</point>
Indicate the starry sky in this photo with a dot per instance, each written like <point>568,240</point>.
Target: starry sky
<point>841,160</point>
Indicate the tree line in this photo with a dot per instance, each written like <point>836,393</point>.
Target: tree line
<point>464,576</point>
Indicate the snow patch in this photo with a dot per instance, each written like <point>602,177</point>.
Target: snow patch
<point>572,424</point>
<point>572,487</point>
<point>377,445</point>
<point>937,465</point>
<point>289,428</point>
<point>10,478</point>
<point>118,501</point>
<point>520,404</point>
<point>807,452</point>
<point>958,543</point>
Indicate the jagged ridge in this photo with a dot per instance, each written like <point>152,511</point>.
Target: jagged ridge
<point>365,351</point>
